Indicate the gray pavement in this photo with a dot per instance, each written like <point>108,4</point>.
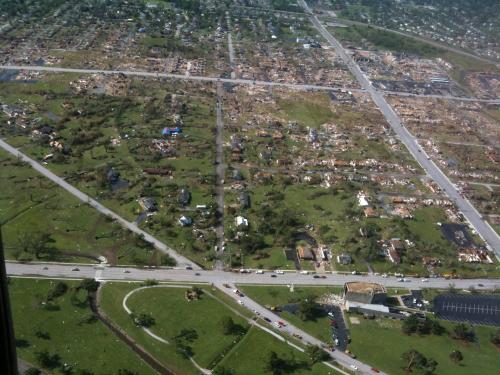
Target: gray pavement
<point>230,46</point>
<point>444,97</point>
<point>240,81</point>
<point>61,270</point>
<point>99,207</point>
<point>471,214</point>
<point>138,73</point>
<point>219,175</point>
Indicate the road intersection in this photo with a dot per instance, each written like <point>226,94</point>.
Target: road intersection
<point>236,81</point>
<point>99,207</point>
<point>61,270</point>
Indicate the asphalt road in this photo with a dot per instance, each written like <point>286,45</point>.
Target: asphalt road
<point>241,81</point>
<point>444,97</point>
<point>230,46</point>
<point>219,175</point>
<point>473,216</point>
<point>138,73</point>
<point>61,270</point>
<point>99,207</point>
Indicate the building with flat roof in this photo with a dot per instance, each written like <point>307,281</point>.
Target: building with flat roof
<point>364,292</point>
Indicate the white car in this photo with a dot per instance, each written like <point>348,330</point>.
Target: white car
<point>425,280</point>
<point>401,280</point>
<point>304,272</point>
<point>279,272</point>
<point>260,272</point>
<point>384,275</point>
<point>240,302</point>
<point>354,367</point>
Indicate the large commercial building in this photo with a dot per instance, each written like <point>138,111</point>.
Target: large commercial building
<point>364,292</point>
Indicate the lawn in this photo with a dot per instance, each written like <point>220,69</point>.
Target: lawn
<point>311,111</point>
<point>380,342</point>
<point>250,355</point>
<point>173,313</point>
<point>111,304</point>
<point>30,205</point>
<point>85,346</point>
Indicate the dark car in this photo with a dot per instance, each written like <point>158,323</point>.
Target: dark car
<point>316,276</point>
<point>267,320</point>
<point>273,275</point>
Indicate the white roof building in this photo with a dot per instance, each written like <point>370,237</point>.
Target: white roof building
<point>241,221</point>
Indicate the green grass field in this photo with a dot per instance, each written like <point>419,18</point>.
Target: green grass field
<point>173,313</point>
<point>381,343</point>
<point>249,356</point>
<point>111,304</point>
<point>31,204</point>
<point>85,346</point>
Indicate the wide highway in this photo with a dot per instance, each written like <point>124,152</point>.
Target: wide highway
<point>486,232</point>
<point>79,271</point>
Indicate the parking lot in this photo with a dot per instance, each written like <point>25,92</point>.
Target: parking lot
<point>468,308</point>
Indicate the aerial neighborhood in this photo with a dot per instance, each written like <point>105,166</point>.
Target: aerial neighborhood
<point>249,187</point>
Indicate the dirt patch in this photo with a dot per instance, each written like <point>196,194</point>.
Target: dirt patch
<point>354,320</point>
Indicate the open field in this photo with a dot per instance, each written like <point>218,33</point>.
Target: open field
<point>381,343</point>
<point>249,356</point>
<point>65,327</point>
<point>173,313</point>
<point>31,206</point>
